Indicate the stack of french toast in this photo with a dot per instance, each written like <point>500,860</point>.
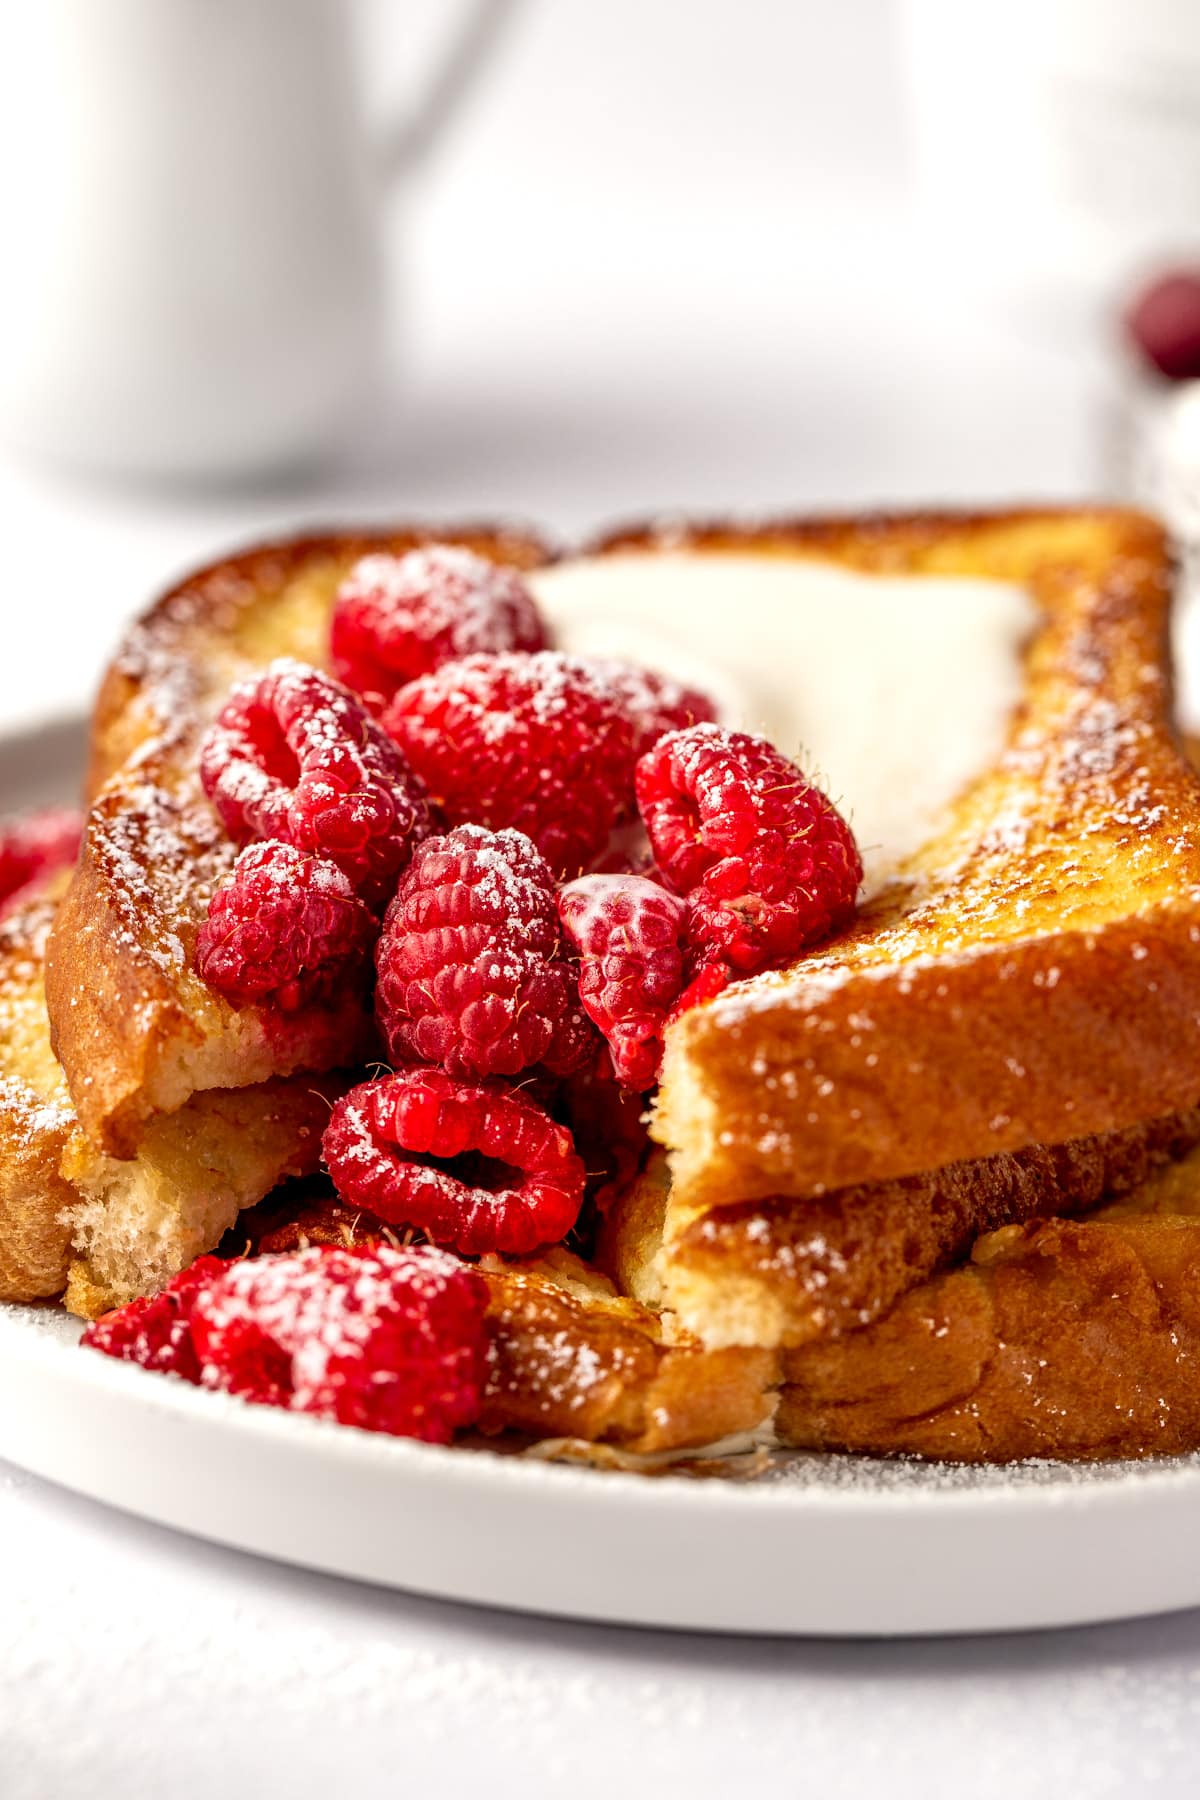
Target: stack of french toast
<point>930,1187</point>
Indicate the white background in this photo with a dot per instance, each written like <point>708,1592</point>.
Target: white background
<point>666,259</point>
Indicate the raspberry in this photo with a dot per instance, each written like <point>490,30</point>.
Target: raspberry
<point>34,846</point>
<point>655,703</point>
<point>389,1340</point>
<point>473,968</point>
<point>424,1150</point>
<point>1164,323</point>
<point>629,935</point>
<point>768,864</point>
<point>286,928</point>
<point>397,617</point>
<point>710,980</point>
<point>295,756</point>
<point>156,1332</point>
<point>542,743</point>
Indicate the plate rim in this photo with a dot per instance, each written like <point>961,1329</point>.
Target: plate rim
<point>41,1331</point>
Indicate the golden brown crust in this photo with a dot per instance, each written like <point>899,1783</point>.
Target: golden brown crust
<point>572,1359</point>
<point>135,1030</point>
<point>788,1271</point>
<point>1062,1339</point>
<point>35,1113</point>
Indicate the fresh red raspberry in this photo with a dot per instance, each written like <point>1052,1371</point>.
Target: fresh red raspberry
<point>475,1166</point>
<point>287,928</point>
<point>709,980</point>
<point>293,755</point>
<point>629,935</point>
<point>474,974</point>
<point>397,617</point>
<point>156,1332</point>
<point>33,846</point>
<point>767,863</point>
<point>385,1339</point>
<point>655,703</point>
<point>542,743</point>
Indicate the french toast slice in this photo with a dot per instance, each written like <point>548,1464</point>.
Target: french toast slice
<point>72,1217</point>
<point>1068,1339</point>
<point>1031,976</point>
<point>135,1030</point>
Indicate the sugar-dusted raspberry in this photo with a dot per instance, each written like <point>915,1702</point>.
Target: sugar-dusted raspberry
<point>768,864</point>
<point>543,743</point>
<point>156,1332</point>
<point>285,928</point>
<point>655,703</point>
<point>295,756</point>
<point>629,935</point>
<point>475,1166</point>
<point>397,617</point>
<point>33,846</point>
<point>474,974</point>
<point>385,1339</point>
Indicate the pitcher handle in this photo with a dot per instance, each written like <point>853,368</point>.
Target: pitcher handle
<point>406,142</point>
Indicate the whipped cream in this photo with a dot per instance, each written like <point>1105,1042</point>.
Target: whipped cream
<point>892,692</point>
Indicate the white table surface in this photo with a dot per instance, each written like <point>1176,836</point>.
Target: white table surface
<point>653,315</point>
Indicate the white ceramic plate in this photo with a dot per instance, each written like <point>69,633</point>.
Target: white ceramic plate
<point>829,1545</point>
<point>836,1546</point>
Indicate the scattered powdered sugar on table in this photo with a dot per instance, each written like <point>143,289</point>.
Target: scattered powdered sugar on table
<point>911,1476</point>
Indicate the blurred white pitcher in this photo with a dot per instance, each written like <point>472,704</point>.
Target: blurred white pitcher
<point>191,213</point>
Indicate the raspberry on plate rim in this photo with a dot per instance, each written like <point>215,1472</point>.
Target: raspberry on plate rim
<point>33,846</point>
<point>387,1339</point>
<point>155,1331</point>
